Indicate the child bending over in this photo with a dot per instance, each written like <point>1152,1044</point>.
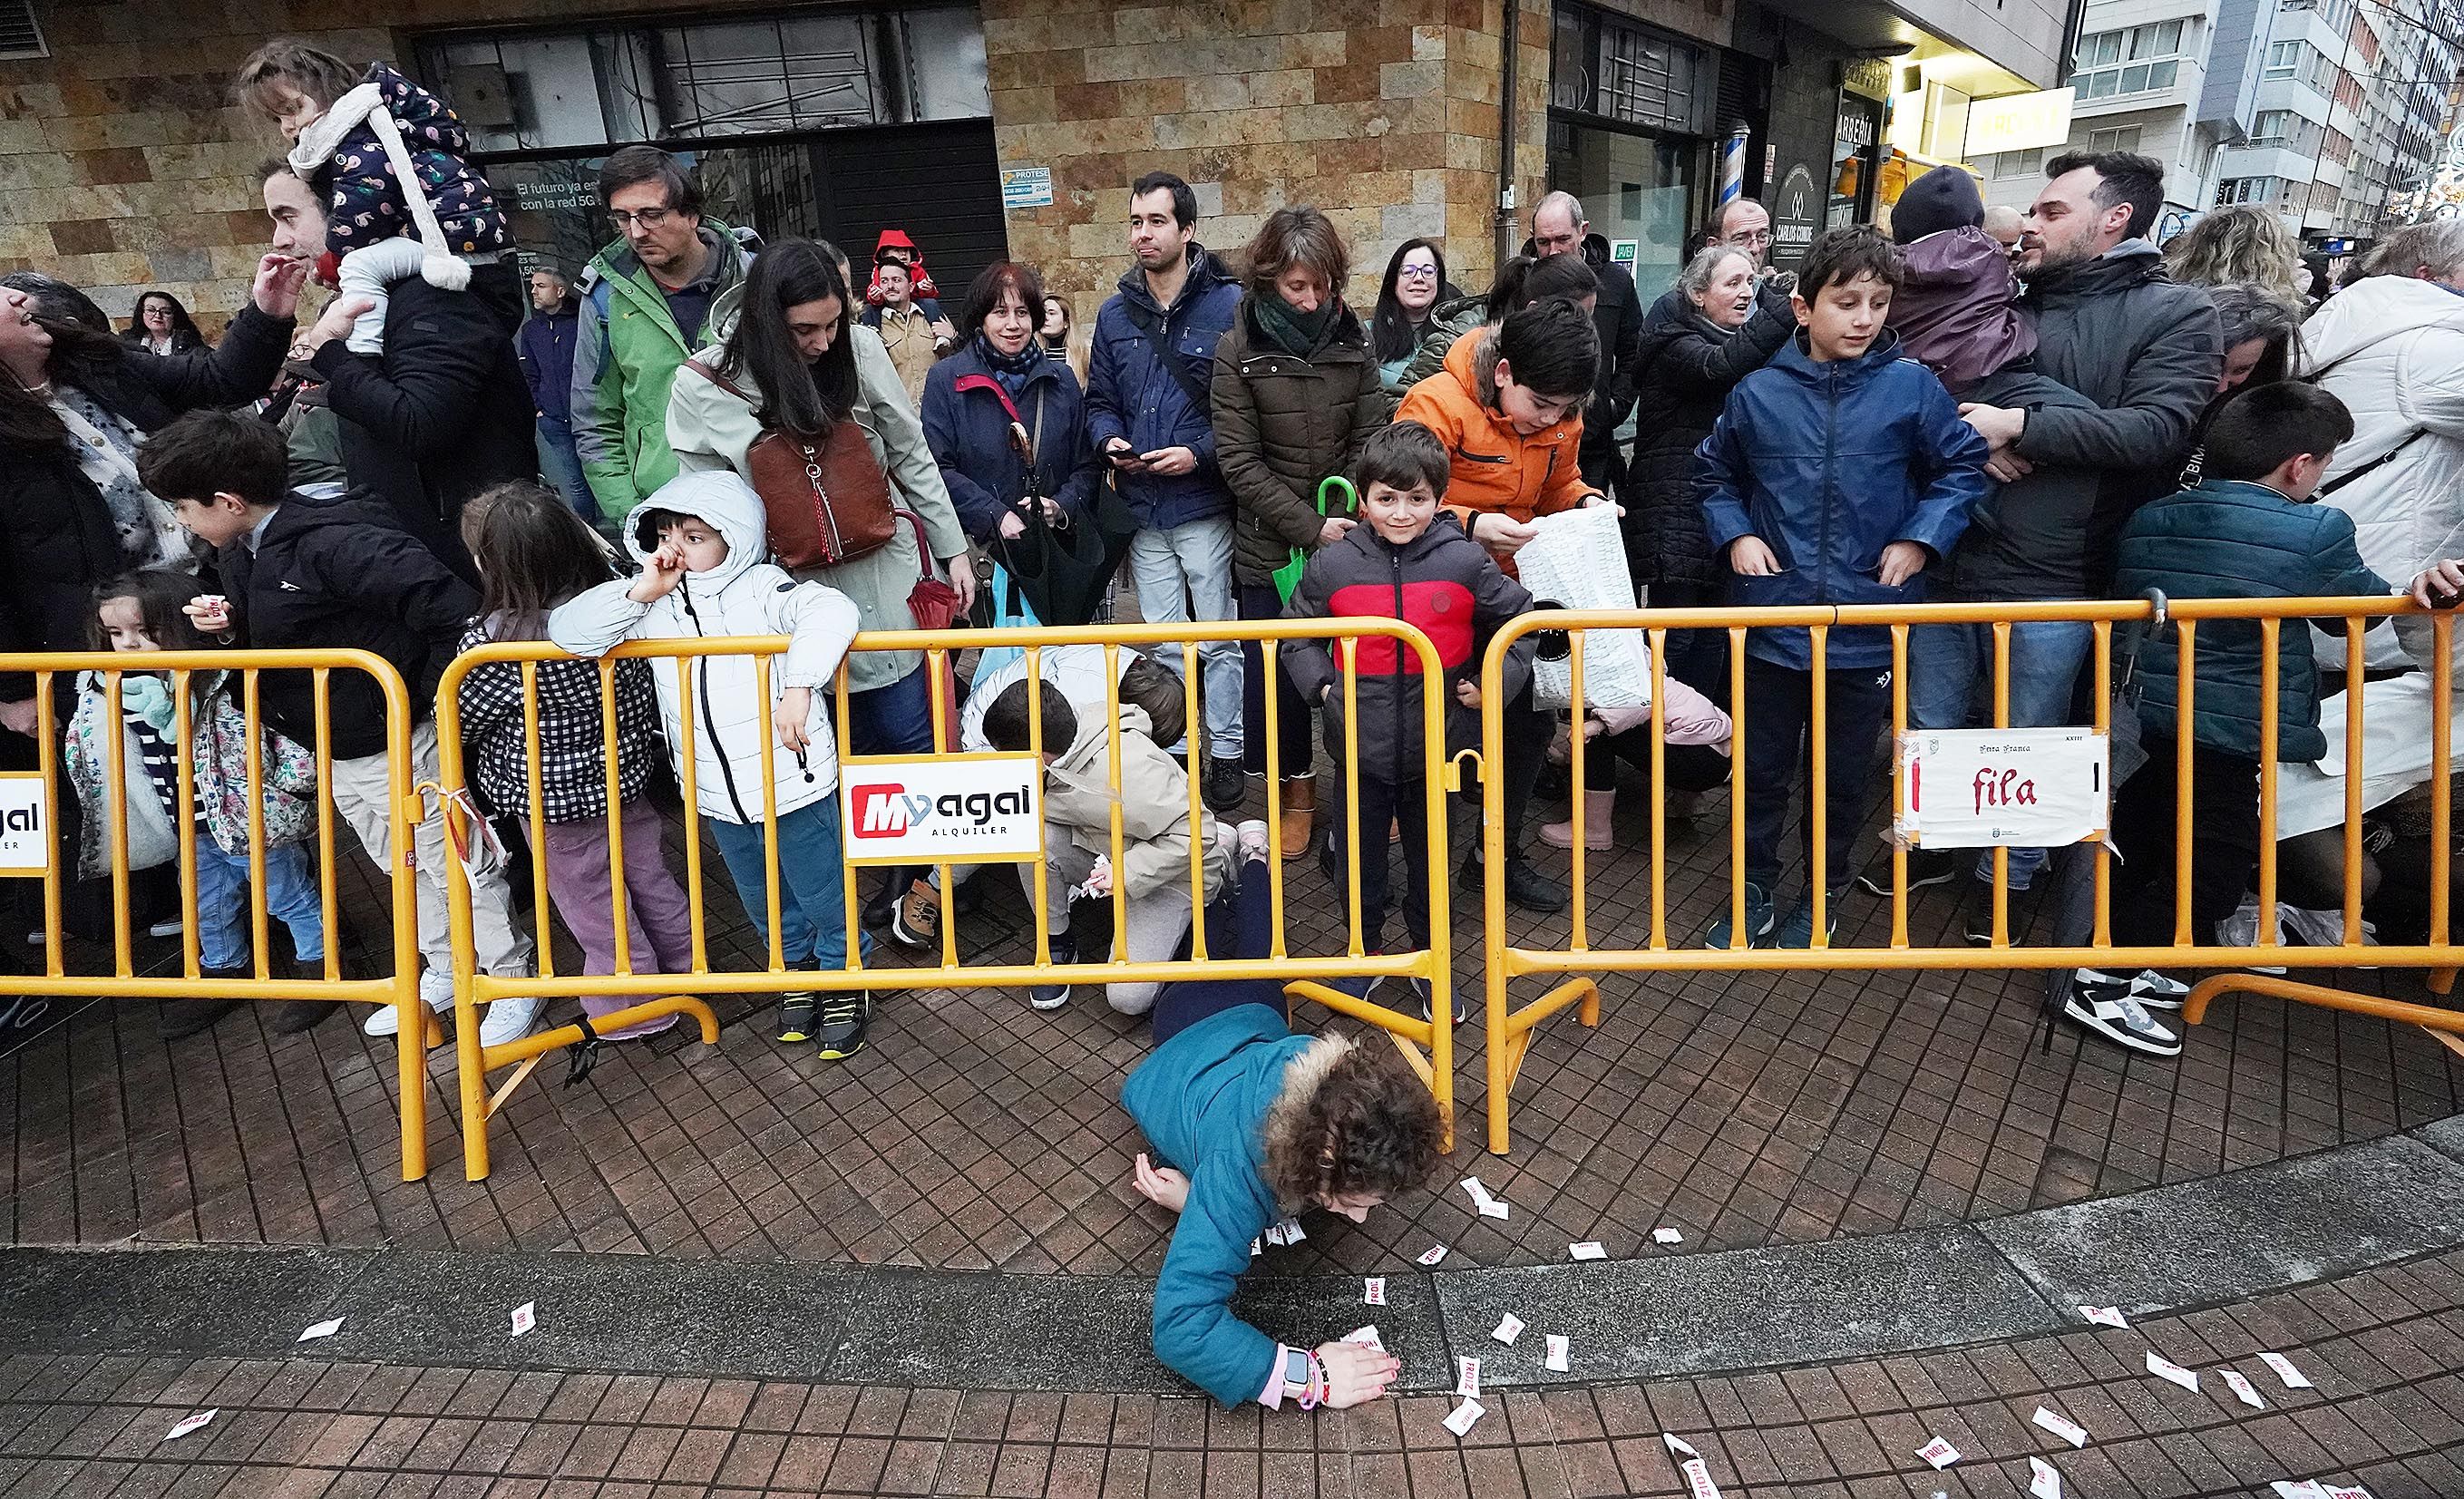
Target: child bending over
<point>1079,795</point>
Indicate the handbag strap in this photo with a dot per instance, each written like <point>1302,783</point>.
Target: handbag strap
<point>716,379</point>
<point>1035,438</point>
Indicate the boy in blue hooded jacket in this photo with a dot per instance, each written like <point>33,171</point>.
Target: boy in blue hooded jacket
<point>1837,474</point>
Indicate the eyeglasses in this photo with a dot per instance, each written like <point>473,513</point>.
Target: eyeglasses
<point>648,218</point>
<point>1752,237</point>
<point>1418,273</point>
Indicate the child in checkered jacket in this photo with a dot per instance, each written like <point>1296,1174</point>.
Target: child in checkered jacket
<point>534,553</point>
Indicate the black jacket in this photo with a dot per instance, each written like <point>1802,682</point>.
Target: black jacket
<point>61,542</point>
<point>342,574</point>
<point>1617,316</point>
<point>444,413</point>
<point>1683,370</point>
<point>2145,352</point>
<point>2027,541</point>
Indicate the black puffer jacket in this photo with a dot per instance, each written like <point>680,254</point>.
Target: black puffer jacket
<point>1282,424</point>
<point>1683,376</point>
<point>61,542</point>
<point>342,574</point>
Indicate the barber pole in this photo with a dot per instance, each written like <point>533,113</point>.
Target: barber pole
<point>1733,164</point>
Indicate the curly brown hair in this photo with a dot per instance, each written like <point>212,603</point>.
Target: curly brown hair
<point>1367,1128</point>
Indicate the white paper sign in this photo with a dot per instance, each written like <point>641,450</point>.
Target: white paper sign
<point>1494,1207</point>
<point>2357,1491</point>
<point>318,1330</point>
<point>1666,1236</point>
<point>1938,1454</point>
<point>1973,788</point>
<point>1588,1249</point>
<point>1433,1254</point>
<point>1698,1480</point>
<point>1510,1327</point>
<point>2062,1426</point>
<point>923,808</point>
<point>2243,1390</point>
<point>2168,1370</point>
<point>1373,1291</point>
<point>2304,1489</point>
<point>1464,1415</point>
<point>25,824</point>
<point>2294,1379</point>
<point>1366,1337</point>
<point>1558,1347</point>
<point>188,1425</point>
<point>1467,1378</point>
<point>2043,1482</point>
<point>1678,1445</point>
<point>2103,1316</point>
<point>526,1318</point>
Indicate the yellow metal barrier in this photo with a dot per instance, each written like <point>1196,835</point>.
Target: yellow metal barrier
<point>1427,1044</point>
<point>399,988</point>
<point>1511,1030</point>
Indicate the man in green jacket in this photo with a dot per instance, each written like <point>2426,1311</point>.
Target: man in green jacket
<point>648,302</point>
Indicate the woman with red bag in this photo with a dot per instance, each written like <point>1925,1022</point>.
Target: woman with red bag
<point>807,407</point>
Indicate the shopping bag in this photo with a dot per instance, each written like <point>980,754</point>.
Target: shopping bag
<point>1288,577</point>
<point>1576,560</point>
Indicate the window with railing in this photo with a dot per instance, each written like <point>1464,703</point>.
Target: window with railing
<point>2134,59</point>
<point>2339,146</point>
<point>2245,189</point>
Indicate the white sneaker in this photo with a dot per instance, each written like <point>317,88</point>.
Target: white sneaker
<point>435,986</point>
<point>508,1019</point>
<point>2113,1014</point>
<point>1250,839</point>
<point>169,926</point>
<point>2147,986</point>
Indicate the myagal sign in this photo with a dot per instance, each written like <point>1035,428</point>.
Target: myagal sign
<point>25,824</point>
<point>959,808</point>
<point>2029,789</point>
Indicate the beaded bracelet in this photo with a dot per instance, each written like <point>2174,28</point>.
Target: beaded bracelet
<point>1319,1386</point>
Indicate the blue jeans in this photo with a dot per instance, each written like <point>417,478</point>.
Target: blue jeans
<point>812,903</point>
<point>896,719</point>
<point>1950,686</point>
<point>561,466</point>
<point>291,896</point>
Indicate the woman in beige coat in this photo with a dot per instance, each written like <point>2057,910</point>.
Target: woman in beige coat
<point>796,361</point>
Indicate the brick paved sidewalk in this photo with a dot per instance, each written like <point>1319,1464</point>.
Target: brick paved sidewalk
<point>973,1132</point>
<point>2383,1349</point>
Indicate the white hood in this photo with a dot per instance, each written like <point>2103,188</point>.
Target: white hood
<point>719,496</point>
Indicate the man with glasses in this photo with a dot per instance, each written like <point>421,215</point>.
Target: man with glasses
<point>1558,227</point>
<point>646,308</point>
<point>1743,224</point>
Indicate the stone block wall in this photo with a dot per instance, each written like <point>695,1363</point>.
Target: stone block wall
<point>1388,123</point>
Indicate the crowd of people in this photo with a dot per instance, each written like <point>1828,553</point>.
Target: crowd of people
<point>697,434</point>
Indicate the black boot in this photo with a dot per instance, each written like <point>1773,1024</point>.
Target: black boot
<point>182,1018</point>
<point>1524,886</point>
<point>291,1017</point>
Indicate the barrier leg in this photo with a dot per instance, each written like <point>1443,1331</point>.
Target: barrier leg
<point>2429,1017</point>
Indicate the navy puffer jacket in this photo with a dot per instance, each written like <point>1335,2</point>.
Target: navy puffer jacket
<point>2227,540</point>
<point>1682,377</point>
<point>968,431</point>
<point>1829,463</point>
<point>1133,394</point>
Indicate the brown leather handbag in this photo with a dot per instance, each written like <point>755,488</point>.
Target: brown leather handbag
<point>824,503</point>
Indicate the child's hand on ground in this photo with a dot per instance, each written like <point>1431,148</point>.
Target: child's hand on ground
<point>1750,557</point>
<point>1901,560</point>
<point>795,708</point>
<point>660,571</point>
<point>1161,1185</point>
<point>1355,1372</point>
<point>1467,693</point>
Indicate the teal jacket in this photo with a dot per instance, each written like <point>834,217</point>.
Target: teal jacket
<point>2230,539</point>
<point>1202,1100</point>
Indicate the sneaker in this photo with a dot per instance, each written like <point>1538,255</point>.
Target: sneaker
<point>844,1016</point>
<point>795,1017</point>
<point>2110,1011</point>
<point>1797,931</point>
<point>917,919</point>
<point>435,986</point>
<point>2295,926</point>
<point>1420,988</point>
<point>1250,840</point>
<point>1053,996</point>
<point>1759,922</point>
<point>180,1019</point>
<point>1925,866</point>
<point>508,1019</point>
<point>2147,986</point>
<point>169,926</point>
<point>1976,913</point>
<point>1225,785</point>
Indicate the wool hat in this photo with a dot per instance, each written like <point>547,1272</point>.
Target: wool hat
<point>1943,198</point>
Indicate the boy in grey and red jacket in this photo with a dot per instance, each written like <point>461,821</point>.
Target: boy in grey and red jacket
<point>1405,560</point>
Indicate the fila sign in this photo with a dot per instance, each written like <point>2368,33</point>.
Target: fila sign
<point>970,808</point>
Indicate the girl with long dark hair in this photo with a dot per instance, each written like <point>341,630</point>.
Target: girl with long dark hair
<point>792,360</point>
<point>1407,302</point>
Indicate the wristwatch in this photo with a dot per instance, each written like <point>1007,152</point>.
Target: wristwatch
<point>1296,1373</point>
